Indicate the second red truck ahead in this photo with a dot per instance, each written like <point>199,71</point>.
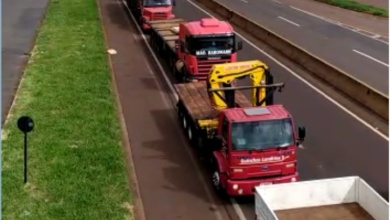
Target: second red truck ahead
<point>191,48</point>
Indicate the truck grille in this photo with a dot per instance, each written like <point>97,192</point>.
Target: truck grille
<point>159,16</point>
<point>204,66</point>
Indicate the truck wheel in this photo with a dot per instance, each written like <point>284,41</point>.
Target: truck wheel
<point>216,181</point>
<point>183,75</point>
<point>176,74</point>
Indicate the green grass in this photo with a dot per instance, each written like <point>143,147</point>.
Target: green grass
<point>76,164</point>
<point>359,7</point>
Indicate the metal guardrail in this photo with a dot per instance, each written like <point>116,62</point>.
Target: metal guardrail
<point>338,79</point>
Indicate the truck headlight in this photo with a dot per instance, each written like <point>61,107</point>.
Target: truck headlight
<point>290,165</point>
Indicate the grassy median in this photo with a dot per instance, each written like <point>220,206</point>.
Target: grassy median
<point>76,164</point>
<point>359,7</point>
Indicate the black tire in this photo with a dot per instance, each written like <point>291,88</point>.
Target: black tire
<point>179,111</point>
<point>191,134</point>
<point>216,183</point>
<point>182,75</point>
<point>215,179</point>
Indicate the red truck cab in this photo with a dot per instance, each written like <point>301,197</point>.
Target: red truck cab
<point>151,10</point>
<point>257,145</point>
<point>202,44</point>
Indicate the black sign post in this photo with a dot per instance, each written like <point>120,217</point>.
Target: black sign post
<point>25,124</point>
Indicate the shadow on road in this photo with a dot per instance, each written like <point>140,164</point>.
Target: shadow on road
<point>116,10</point>
<point>182,173</point>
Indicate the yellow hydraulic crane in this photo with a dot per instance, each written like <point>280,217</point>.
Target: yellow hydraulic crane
<point>222,77</point>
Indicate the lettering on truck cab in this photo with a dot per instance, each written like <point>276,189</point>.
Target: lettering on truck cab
<point>263,159</point>
<point>213,52</point>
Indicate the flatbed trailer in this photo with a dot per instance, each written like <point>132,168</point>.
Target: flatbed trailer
<point>346,198</point>
<point>196,103</point>
<point>164,35</point>
<point>198,116</point>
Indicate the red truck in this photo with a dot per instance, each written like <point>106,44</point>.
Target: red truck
<point>191,48</point>
<point>247,143</point>
<point>151,10</point>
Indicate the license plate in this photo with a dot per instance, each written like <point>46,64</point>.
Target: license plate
<point>265,183</point>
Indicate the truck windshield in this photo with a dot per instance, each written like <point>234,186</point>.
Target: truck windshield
<point>212,46</point>
<point>156,3</point>
<point>262,134</point>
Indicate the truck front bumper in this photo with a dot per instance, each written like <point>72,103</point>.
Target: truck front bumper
<point>247,187</point>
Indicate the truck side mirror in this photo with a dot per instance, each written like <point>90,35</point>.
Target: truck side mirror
<point>239,45</point>
<point>301,134</point>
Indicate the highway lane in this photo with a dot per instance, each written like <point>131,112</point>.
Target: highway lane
<point>331,42</point>
<point>337,144</point>
<point>20,19</point>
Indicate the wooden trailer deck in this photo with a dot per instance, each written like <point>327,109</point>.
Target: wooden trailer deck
<point>347,211</point>
<point>194,96</point>
<point>164,29</point>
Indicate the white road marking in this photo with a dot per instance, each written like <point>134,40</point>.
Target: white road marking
<point>288,21</point>
<point>245,1</point>
<point>276,1</point>
<point>370,57</point>
<point>201,178</point>
<point>372,128</point>
<point>238,209</point>
<point>356,30</point>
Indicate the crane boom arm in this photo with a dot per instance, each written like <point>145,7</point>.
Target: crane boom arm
<point>222,76</point>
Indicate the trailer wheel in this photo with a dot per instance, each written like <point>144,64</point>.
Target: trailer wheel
<point>190,133</point>
<point>193,136</point>
<point>172,64</point>
<point>184,121</point>
<point>179,113</point>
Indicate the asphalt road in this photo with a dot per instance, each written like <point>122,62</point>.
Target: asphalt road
<point>363,57</point>
<point>172,184</point>
<point>20,20</point>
